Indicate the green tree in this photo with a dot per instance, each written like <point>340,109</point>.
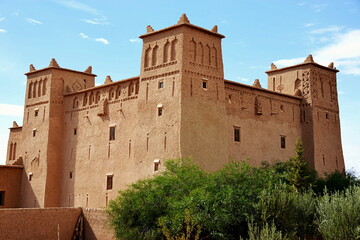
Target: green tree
<point>299,174</point>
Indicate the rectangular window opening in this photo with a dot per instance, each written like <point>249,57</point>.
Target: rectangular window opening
<point>109,182</point>
<point>161,84</point>
<point>71,174</point>
<point>75,131</point>
<point>236,134</point>
<point>34,132</point>
<point>36,112</point>
<point>204,84</point>
<point>160,111</point>
<point>30,177</point>
<point>2,198</point>
<point>283,141</point>
<point>156,165</point>
<point>112,133</point>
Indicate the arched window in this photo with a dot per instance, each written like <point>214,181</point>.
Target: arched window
<point>40,88</point>
<point>11,151</point>
<point>14,152</point>
<point>137,88</point>
<point>192,50</point>
<point>166,52</point>
<point>213,57</point>
<point>118,92</point>
<point>207,56</point>
<point>44,87</point>
<point>173,49</point>
<point>111,94</point>
<point>98,96</point>
<point>75,102</point>
<point>91,98</point>
<point>200,53</point>
<point>34,89</point>
<point>154,55</point>
<point>85,99</point>
<point>147,57</point>
<point>30,90</point>
<point>131,89</point>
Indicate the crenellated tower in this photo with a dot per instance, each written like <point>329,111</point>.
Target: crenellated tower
<point>319,114</point>
<point>38,143</point>
<point>182,79</point>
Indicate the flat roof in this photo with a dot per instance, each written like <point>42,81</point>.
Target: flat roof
<point>303,64</point>
<point>262,89</point>
<point>103,85</point>
<point>66,69</point>
<point>182,24</point>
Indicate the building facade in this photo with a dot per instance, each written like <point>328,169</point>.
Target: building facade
<point>80,143</point>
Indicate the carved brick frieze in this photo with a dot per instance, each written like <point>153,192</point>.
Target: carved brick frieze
<point>160,75</point>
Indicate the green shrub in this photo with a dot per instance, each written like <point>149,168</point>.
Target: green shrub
<point>290,211</point>
<point>339,215</point>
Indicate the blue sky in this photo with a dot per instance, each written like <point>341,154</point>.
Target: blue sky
<point>104,34</point>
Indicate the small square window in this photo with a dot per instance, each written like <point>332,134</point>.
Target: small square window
<point>2,198</point>
<point>204,84</point>
<point>75,131</point>
<point>30,177</point>
<point>109,182</point>
<point>283,141</point>
<point>236,134</point>
<point>161,84</point>
<point>112,133</point>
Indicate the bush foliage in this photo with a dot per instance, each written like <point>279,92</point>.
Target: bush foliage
<point>280,201</point>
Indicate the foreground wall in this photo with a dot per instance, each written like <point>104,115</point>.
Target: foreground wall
<point>10,183</point>
<point>38,223</point>
<point>96,224</point>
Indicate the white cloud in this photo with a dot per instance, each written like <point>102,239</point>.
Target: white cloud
<point>83,35</point>
<point>288,62</point>
<point>243,79</point>
<point>33,21</point>
<point>309,24</point>
<point>344,51</point>
<point>2,30</point>
<point>102,40</point>
<point>96,21</point>
<point>319,7</point>
<point>11,110</point>
<point>345,46</point>
<point>133,40</point>
<point>327,30</point>
<point>2,19</point>
<point>78,6</point>
<point>257,67</point>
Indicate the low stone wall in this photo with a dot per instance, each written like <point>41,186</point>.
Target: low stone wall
<point>38,223</point>
<point>96,224</point>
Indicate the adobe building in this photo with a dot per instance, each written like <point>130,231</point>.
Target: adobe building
<point>80,143</point>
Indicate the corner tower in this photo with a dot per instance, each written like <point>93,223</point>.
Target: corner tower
<point>39,141</point>
<point>182,76</point>
<point>319,114</point>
